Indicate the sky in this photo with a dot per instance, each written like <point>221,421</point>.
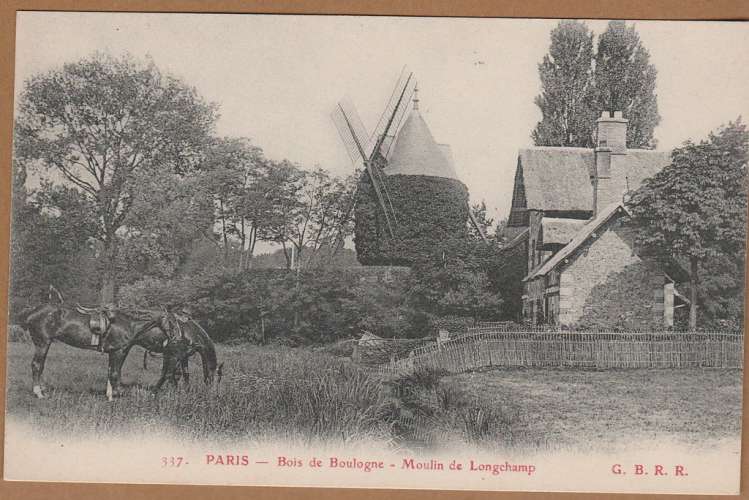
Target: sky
<point>277,78</point>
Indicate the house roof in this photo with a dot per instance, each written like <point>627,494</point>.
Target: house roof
<point>580,238</point>
<point>560,231</point>
<point>417,153</point>
<point>558,178</point>
<point>643,163</point>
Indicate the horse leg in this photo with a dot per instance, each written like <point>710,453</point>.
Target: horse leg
<point>41,347</point>
<point>116,359</point>
<point>185,369</point>
<point>168,367</point>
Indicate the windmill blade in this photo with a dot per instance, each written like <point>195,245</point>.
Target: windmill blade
<point>351,130</point>
<point>393,112</point>
<point>476,225</point>
<point>389,139</point>
<point>357,126</point>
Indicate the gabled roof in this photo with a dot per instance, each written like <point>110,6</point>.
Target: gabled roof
<point>558,178</point>
<point>417,153</point>
<point>560,231</point>
<point>643,163</point>
<point>580,238</point>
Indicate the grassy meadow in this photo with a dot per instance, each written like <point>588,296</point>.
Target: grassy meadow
<point>307,396</point>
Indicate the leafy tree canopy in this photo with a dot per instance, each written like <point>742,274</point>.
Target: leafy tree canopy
<point>694,210</point>
<point>101,122</point>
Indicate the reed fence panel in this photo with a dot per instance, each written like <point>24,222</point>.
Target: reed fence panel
<point>484,347</point>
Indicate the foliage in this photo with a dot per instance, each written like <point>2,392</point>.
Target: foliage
<point>567,88</point>
<point>169,213</point>
<point>49,245</point>
<point>242,183</point>
<point>455,280</point>
<point>313,307</point>
<point>694,210</point>
<point>577,85</point>
<point>484,222</point>
<point>430,212</point>
<point>102,121</point>
<point>310,212</point>
<point>625,81</point>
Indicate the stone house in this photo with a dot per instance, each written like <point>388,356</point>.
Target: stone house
<point>571,236</point>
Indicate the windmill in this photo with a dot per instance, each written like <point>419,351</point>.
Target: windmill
<point>403,161</point>
<point>372,150</point>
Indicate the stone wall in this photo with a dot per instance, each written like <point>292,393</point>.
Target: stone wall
<point>608,286</point>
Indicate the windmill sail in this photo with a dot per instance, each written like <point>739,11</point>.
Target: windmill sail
<point>351,131</point>
<point>353,134</point>
<point>384,132</point>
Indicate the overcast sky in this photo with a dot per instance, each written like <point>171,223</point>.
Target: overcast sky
<point>276,78</point>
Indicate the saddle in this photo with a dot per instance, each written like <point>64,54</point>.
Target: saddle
<point>171,324</point>
<point>99,320</point>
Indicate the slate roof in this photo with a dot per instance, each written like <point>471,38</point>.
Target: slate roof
<point>417,153</point>
<point>558,178</point>
<point>580,238</point>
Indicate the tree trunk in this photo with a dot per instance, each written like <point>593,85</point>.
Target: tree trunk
<point>223,232</point>
<point>693,265</point>
<point>109,271</point>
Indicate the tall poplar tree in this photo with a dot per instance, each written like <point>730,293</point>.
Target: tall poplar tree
<point>567,88</point>
<point>625,81</point>
<point>577,84</point>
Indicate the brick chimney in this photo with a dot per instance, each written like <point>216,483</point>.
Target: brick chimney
<point>609,179</point>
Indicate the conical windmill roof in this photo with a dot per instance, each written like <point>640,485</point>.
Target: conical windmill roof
<point>417,153</point>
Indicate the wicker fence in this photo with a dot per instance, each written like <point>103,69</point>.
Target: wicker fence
<point>487,347</point>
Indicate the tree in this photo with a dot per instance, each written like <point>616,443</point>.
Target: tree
<point>694,210</point>
<point>577,85</point>
<point>102,123</point>
<point>625,81</point>
<point>48,243</point>
<point>170,213</point>
<point>242,185</point>
<point>310,212</point>
<point>566,97</point>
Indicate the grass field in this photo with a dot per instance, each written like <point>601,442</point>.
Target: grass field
<point>301,395</point>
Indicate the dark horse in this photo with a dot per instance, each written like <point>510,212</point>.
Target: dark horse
<point>57,321</point>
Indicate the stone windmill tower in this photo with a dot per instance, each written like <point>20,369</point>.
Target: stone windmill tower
<point>409,199</point>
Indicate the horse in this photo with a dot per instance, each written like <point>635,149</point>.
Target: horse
<point>56,321</point>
